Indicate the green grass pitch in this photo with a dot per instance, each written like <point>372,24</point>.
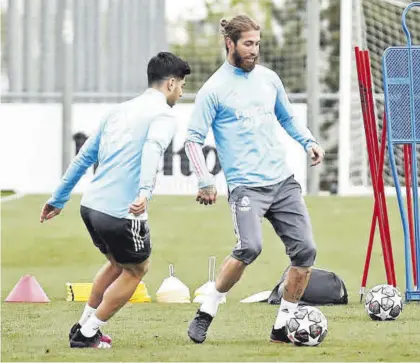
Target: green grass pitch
<point>186,234</point>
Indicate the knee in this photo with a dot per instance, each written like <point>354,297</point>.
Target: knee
<point>306,256</point>
<point>138,270</point>
<point>249,253</point>
<point>255,251</point>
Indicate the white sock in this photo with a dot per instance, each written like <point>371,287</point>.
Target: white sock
<point>86,314</point>
<point>212,301</point>
<point>93,324</point>
<point>286,307</point>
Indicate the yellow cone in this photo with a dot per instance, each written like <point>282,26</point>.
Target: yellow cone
<point>80,291</point>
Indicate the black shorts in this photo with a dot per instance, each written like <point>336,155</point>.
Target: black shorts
<point>127,240</point>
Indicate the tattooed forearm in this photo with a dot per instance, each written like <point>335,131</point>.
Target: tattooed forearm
<point>210,190</point>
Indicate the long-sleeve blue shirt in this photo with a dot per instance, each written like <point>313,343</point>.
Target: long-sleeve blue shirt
<point>128,145</point>
<point>244,110</point>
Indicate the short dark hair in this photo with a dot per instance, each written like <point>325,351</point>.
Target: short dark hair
<point>165,65</point>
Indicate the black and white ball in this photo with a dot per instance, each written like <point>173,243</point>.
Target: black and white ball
<point>307,326</point>
<point>383,302</point>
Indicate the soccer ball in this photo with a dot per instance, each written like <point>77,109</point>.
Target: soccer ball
<point>383,302</point>
<point>306,326</point>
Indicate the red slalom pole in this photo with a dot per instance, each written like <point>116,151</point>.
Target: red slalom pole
<point>362,90</point>
<point>375,214</point>
<point>380,188</point>
<point>376,161</point>
<point>363,71</point>
<point>381,171</point>
<point>407,169</point>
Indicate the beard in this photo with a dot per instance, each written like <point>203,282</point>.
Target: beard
<point>243,63</point>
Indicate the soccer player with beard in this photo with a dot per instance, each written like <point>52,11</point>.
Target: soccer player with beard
<point>244,103</point>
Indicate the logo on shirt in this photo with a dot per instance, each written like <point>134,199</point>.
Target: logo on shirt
<point>254,116</point>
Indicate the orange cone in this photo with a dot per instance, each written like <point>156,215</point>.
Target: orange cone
<point>28,290</point>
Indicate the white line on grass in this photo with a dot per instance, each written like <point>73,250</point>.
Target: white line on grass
<point>12,197</point>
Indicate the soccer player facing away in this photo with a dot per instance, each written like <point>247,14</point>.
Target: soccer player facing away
<point>128,145</point>
<point>243,103</point>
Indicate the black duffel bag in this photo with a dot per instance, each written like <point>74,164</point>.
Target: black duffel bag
<point>324,288</point>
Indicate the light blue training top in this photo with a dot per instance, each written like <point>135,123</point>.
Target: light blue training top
<point>128,145</point>
<point>244,110</point>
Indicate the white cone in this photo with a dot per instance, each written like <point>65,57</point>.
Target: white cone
<point>258,297</point>
<point>173,290</point>
<point>203,290</point>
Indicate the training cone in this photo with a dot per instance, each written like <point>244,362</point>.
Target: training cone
<point>28,290</point>
<point>258,297</point>
<point>80,291</point>
<point>203,291</point>
<point>173,290</point>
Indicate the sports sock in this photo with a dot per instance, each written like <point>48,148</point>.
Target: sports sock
<point>286,307</point>
<point>87,312</point>
<point>92,326</point>
<point>212,301</point>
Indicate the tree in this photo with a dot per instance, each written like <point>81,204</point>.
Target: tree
<point>204,49</point>
<point>290,58</point>
<point>283,49</point>
<point>330,43</point>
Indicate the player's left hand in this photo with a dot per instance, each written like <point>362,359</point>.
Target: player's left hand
<point>48,212</point>
<point>316,153</point>
<point>207,195</point>
<point>138,206</point>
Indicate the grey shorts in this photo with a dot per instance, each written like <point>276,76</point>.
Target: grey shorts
<point>283,205</point>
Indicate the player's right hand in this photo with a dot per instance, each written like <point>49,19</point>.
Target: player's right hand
<point>139,205</point>
<point>316,153</point>
<point>48,212</point>
<point>207,195</point>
